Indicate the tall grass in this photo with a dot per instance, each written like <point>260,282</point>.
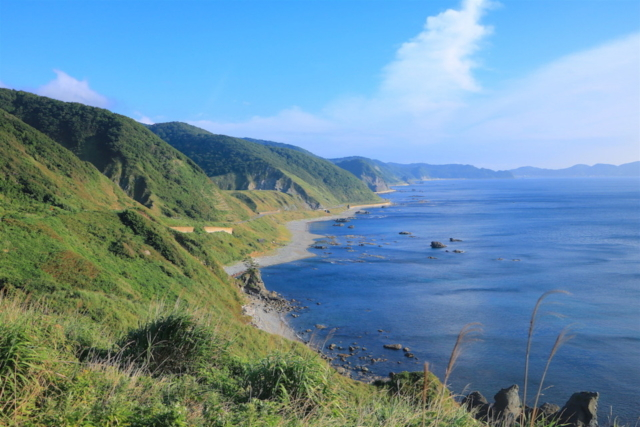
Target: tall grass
<point>171,344</point>
<point>291,378</point>
<point>532,325</point>
<point>562,338</point>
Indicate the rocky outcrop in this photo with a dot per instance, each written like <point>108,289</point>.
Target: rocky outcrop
<point>252,284</point>
<point>548,409</point>
<point>507,407</point>
<point>438,245</point>
<point>579,411</point>
<point>477,404</point>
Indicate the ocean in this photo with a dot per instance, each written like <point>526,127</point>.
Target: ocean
<point>520,238</point>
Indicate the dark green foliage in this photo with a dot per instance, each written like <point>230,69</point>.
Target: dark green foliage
<point>171,344</point>
<point>246,200</point>
<point>239,164</point>
<point>145,167</point>
<point>375,178</point>
<point>279,144</point>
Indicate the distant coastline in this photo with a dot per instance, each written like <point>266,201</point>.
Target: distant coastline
<point>301,239</point>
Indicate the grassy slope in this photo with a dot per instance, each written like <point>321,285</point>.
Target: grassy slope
<point>36,170</point>
<point>88,275</point>
<point>145,167</point>
<point>238,164</point>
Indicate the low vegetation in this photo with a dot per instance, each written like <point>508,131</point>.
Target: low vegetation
<point>108,317</point>
<point>176,369</point>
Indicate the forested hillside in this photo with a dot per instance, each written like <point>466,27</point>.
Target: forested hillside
<point>239,164</point>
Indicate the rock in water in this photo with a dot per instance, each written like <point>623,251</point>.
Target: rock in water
<point>438,245</point>
<point>581,410</point>
<point>507,407</point>
<point>393,346</point>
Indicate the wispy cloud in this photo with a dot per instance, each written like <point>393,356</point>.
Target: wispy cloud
<point>585,106</point>
<point>437,64</point>
<point>426,79</point>
<point>3,86</point>
<point>429,106</point>
<point>287,124</point>
<point>66,88</point>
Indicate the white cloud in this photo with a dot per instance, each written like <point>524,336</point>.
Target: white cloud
<point>142,118</point>
<point>437,64</point>
<point>289,123</point>
<point>585,106</point>
<point>419,88</point>
<point>66,88</point>
<point>429,107</point>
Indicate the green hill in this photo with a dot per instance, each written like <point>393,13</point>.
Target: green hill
<point>110,318</point>
<point>377,174</point>
<point>238,164</point>
<point>146,168</point>
<point>36,173</point>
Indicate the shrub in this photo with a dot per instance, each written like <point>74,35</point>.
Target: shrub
<point>171,344</point>
<point>289,378</point>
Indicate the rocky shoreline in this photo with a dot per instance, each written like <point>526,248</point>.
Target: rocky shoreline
<point>301,240</point>
<point>581,410</point>
<point>269,310</point>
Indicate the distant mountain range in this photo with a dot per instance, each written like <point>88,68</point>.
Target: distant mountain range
<point>598,170</point>
<point>380,175</point>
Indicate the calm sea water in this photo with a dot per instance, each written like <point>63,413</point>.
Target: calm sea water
<point>520,239</point>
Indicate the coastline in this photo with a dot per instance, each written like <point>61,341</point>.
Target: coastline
<point>268,318</point>
<point>301,239</point>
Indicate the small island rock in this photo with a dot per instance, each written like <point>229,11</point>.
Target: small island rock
<point>393,346</point>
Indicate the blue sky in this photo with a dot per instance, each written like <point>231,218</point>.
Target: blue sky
<point>494,84</point>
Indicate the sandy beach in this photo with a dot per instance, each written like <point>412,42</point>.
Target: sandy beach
<point>267,318</point>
